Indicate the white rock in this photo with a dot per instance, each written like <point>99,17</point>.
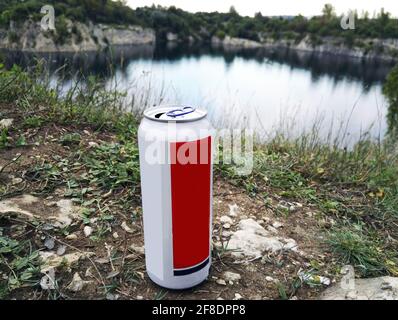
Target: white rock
<point>269,279</point>
<point>233,210</point>
<point>126,227</point>
<point>251,240</point>
<point>6,123</point>
<point>138,249</point>
<point>277,225</point>
<point>47,282</point>
<point>61,250</point>
<point>231,276</point>
<point>140,298</point>
<point>115,235</point>
<point>49,243</point>
<point>221,282</point>
<point>226,226</point>
<point>87,231</point>
<point>93,144</point>
<point>226,233</point>
<point>76,284</point>
<point>382,288</point>
<point>71,237</point>
<point>226,219</point>
<point>238,297</point>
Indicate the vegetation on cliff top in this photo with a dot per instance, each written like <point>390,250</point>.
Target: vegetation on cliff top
<point>204,25</point>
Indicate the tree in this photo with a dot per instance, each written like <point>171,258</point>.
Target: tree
<point>390,90</point>
<point>328,11</point>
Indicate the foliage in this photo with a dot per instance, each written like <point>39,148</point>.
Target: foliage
<point>390,90</point>
<point>19,265</point>
<point>202,25</point>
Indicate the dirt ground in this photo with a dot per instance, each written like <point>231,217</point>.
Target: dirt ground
<point>108,242</point>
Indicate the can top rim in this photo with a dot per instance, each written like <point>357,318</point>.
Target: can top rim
<point>175,113</point>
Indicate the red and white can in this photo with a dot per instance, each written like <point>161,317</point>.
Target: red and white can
<point>175,145</point>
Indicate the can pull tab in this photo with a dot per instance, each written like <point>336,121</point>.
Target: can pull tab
<point>180,112</point>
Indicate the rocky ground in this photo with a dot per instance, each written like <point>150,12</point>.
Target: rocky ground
<point>92,246</point>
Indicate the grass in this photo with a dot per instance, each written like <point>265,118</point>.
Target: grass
<point>19,264</point>
<point>357,188</point>
<point>366,254</point>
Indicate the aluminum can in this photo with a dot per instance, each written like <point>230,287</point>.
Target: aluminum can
<point>176,166</point>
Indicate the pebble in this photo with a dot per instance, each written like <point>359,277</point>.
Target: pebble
<point>61,250</point>
<point>76,284</point>
<point>6,123</point>
<point>269,279</point>
<point>126,227</point>
<point>138,249</point>
<point>71,236</point>
<point>277,225</point>
<point>233,210</point>
<point>231,276</point>
<point>115,235</point>
<point>49,243</point>
<point>226,219</point>
<point>140,298</point>
<point>221,282</point>
<point>87,231</point>
<point>226,226</point>
<point>238,297</point>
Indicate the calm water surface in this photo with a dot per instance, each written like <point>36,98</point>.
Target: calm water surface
<point>266,91</point>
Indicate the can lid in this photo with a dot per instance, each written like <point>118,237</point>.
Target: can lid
<point>175,113</point>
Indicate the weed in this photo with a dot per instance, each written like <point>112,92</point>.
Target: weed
<point>18,264</point>
<point>358,249</point>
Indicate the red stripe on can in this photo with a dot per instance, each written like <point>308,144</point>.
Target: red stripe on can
<point>190,201</point>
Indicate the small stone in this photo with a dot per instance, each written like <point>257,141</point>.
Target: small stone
<point>115,235</point>
<point>140,298</point>
<point>93,144</point>
<point>47,282</point>
<point>226,233</point>
<point>61,250</point>
<point>6,123</point>
<point>71,237</point>
<point>15,181</point>
<point>226,226</point>
<point>233,210</point>
<point>76,284</point>
<point>112,296</point>
<point>49,243</point>
<point>277,225</point>
<point>221,282</point>
<point>87,231</point>
<point>126,227</point>
<point>269,279</point>
<point>226,219</point>
<point>220,299</point>
<point>138,249</point>
<point>238,297</point>
<point>231,276</point>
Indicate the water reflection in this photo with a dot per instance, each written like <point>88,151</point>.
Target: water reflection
<point>258,88</point>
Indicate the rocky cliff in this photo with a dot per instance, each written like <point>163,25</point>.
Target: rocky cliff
<point>382,49</point>
<point>76,37</point>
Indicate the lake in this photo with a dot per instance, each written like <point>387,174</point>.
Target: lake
<point>278,91</point>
